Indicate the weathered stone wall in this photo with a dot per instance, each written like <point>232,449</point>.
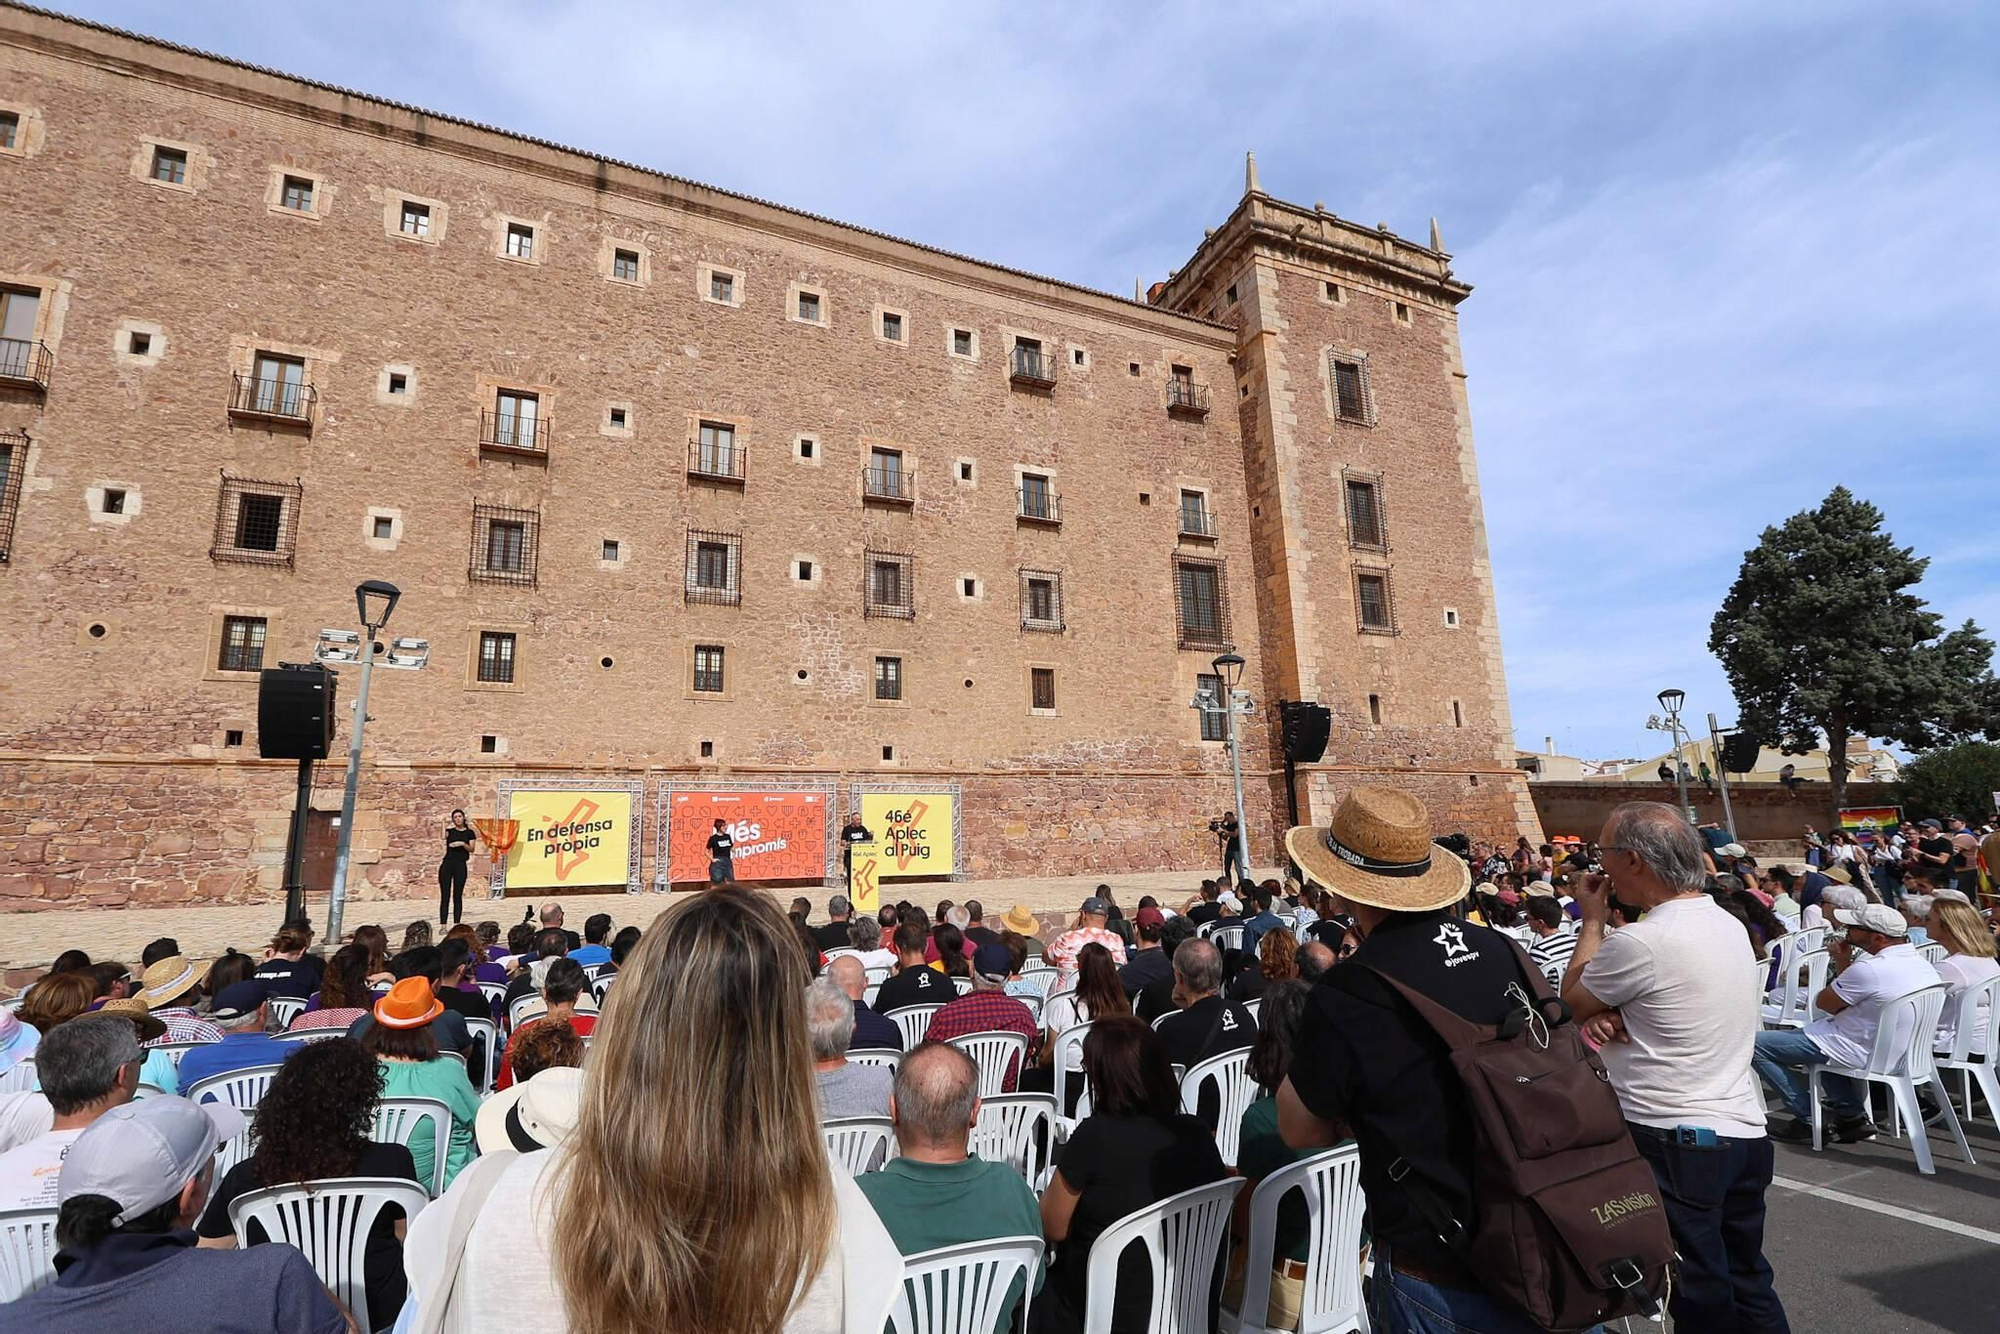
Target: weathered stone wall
<point>1765,812</point>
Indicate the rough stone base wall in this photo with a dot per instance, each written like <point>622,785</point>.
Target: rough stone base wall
<point>1765,812</point>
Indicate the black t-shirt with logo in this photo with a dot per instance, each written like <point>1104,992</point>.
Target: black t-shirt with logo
<point>919,985</point>
<point>720,845</point>
<point>1209,1027</point>
<point>1366,1059</point>
<point>292,978</point>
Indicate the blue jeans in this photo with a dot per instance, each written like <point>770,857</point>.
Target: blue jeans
<point>1714,1198</point>
<point>1399,1304</point>
<point>1781,1056</point>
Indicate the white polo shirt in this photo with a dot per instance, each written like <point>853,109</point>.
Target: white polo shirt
<point>1867,985</point>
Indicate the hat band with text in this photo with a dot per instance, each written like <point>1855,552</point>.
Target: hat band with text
<point>1373,865</point>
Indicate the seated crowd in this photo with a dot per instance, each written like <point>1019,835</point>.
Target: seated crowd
<point>686,1182</point>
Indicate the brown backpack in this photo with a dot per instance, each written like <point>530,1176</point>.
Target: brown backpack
<point>1567,1222</point>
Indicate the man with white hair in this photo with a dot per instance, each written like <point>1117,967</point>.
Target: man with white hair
<point>88,1066</point>
<point>1916,909</point>
<point>865,934</point>
<point>1206,1025</point>
<point>844,1090</point>
<point>832,935</point>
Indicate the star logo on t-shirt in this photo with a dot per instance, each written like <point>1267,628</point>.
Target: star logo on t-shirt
<point>1452,937</point>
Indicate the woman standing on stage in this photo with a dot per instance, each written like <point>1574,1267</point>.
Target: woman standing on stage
<point>459,838</point>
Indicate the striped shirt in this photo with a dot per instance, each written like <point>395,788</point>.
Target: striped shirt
<point>183,1026</point>
<point>1551,952</point>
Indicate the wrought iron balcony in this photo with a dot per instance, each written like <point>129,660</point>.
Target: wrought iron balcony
<point>514,433</point>
<point>274,402</point>
<point>1039,505</point>
<point>715,462</point>
<point>1185,398</point>
<point>1198,524</point>
<point>26,365</point>
<point>1032,367</point>
<point>891,486</point>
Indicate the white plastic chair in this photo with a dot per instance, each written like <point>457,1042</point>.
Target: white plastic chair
<point>495,992</point>
<point>877,973</point>
<point>176,1050</point>
<point>526,1007</point>
<point>1256,1007</point>
<point>963,1289</point>
<point>1013,1128</point>
<point>1229,937</point>
<point>859,1143</point>
<point>869,994</point>
<point>913,1021</point>
<point>839,952</point>
<point>1067,1062</point>
<point>329,1221</point>
<point>19,1078</point>
<point>401,1120</point>
<point>1807,939</point>
<point>482,1078</point>
<point>1331,1182</point>
<point>1903,1068</point>
<point>1801,979</point>
<point>1043,975</point>
<point>995,1052</point>
<point>305,1035</point>
<point>962,985</point>
<point>242,1089</point>
<point>1971,1065</point>
<point>1932,952</point>
<point>1034,1004</point>
<point>1230,1073</point>
<point>1183,1237</point>
<point>886,1057</point>
<point>27,1251</point>
<point>602,988</point>
<point>284,1009</point>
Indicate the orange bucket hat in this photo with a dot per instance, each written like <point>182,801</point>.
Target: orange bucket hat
<point>409,1004</point>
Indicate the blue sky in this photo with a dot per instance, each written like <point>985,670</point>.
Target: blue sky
<point>1726,254</point>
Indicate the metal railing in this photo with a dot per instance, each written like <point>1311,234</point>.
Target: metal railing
<point>514,433</point>
<point>723,463</point>
<point>1198,523</point>
<point>1038,505</point>
<point>1030,365</point>
<point>1187,397</point>
<point>891,484</point>
<point>289,401</point>
<point>25,364</point>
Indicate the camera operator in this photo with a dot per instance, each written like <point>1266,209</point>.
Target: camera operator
<point>1225,830</point>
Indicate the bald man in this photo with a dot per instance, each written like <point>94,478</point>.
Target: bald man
<point>552,920</point>
<point>870,1028</point>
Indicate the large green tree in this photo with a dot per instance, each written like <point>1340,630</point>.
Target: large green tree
<point>1822,636</point>
<point>1957,780</point>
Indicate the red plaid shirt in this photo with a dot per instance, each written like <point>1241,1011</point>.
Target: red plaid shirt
<point>985,1012</point>
<point>184,1026</point>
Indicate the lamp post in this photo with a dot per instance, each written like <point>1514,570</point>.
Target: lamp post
<point>1670,700</point>
<point>375,601</point>
<point>1721,775</point>
<point>1229,667</point>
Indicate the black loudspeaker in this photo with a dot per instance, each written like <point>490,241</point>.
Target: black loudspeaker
<point>295,713</point>
<point>1305,727</point>
<point>1740,751</point>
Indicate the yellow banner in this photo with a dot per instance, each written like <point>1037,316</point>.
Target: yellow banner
<point>913,837</point>
<point>570,838</point>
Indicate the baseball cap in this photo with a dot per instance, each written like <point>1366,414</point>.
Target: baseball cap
<point>140,1154</point>
<point>1735,850</point>
<point>1874,917</point>
<point>1095,906</point>
<point>239,999</point>
<point>1227,898</point>
<point>537,1113</point>
<point>1929,824</point>
<point>1150,917</point>
<point>992,960</point>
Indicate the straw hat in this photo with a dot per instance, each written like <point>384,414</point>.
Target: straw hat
<point>1020,921</point>
<point>135,1009</point>
<point>1378,851</point>
<point>536,1113</point>
<point>168,980</point>
<point>408,1004</point>
<point>1837,873</point>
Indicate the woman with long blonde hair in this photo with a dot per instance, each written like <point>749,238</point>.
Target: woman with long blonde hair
<point>694,1191</point>
<point>1968,960</point>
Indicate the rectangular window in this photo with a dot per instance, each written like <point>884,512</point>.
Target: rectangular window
<point>516,419</point>
<point>809,307</point>
<point>298,194</point>
<point>20,313</point>
<point>1041,600</point>
<point>625,265</point>
<point>416,218</point>
<point>506,545</point>
<point>520,240</point>
<point>1203,621</point>
<point>1194,514</point>
<point>721,287</point>
<point>114,501</point>
<point>10,130</point>
<point>888,678</point>
<point>711,566</point>
<point>961,342</point>
<point>399,383</point>
<point>496,657</point>
<point>1042,687</point>
<point>255,522</point>
<point>708,668</point>
<point>170,165</point>
<point>385,527</point>
<point>885,474</point>
<point>242,644</point>
<point>1371,600</point>
<point>278,386</point>
<point>1364,514</point>
<point>1214,726</point>
<point>892,326</point>
<point>609,551</point>
<point>1038,500</point>
<point>715,449</point>
<point>260,522</point>
<point>141,344</point>
<point>1350,389</point>
<point>714,567</point>
<point>888,591</point>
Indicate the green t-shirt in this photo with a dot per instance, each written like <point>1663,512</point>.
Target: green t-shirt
<point>928,1205</point>
<point>1260,1152</point>
<point>445,1080</point>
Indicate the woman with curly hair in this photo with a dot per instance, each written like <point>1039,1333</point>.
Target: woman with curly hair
<point>543,1045</point>
<point>344,994</point>
<point>561,986</point>
<point>1277,961</point>
<point>314,1124</point>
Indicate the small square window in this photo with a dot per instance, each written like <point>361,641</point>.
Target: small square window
<point>1333,292</point>
<point>1403,311</point>
<point>416,219</point>
<point>888,678</point>
<point>721,287</point>
<point>625,265</point>
<point>520,240</point>
<point>496,657</point>
<point>170,166</point>
<point>1451,618</point>
<point>892,326</point>
<point>617,417</point>
<point>889,754</point>
<point>114,502</point>
<point>489,744</point>
<point>806,447</point>
<point>1042,687</point>
<point>232,737</point>
<point>708,663</point>
<point>809,307</point>
<point>297,195</point>
<point>961,342</point>
<point>1231,294</point>
<point>610,549</point>
<point>399,383</point>
<point>805,571</point>
<point>969,587</point>
<point>965,470</point>
<point>1132,368</point>
<point>708,750</point>
<point>385,527</point>
<point>141,344</point>
<point>1076,356</point>
<point>10,130</point>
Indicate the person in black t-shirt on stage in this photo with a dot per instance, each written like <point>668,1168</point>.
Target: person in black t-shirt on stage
<point>721,864</point>
<point>459,838</point>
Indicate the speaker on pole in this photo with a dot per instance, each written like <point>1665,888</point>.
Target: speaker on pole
<point>295,712</point>
<point>1305,726</point>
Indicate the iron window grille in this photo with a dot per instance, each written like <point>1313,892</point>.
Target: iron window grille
<point>496,657</point>
<point>13,463</point>
<point>506,545</point>
<point>1353,398</point>
<point>885,478</point>
<point>1201,603</point>
<point>1031,366</point>
<point>888,678</point>
<point>1196,519</point>
<point>1185,398</point>
<point>1214,726</point>
<point>1042,688</point>
<point>516,425</point>
<point>1367,522</point>
<point>714,568</point>
<point>713,453</point>
<point>887,590</point>
<point>256,522</point>
<point>1374,602</point>
<point>1041,600</point>
<point>708,668</point>
<point>242,647</point>
<point>1039,502</point>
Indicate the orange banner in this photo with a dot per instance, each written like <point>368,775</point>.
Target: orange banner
<point>779,835</point>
